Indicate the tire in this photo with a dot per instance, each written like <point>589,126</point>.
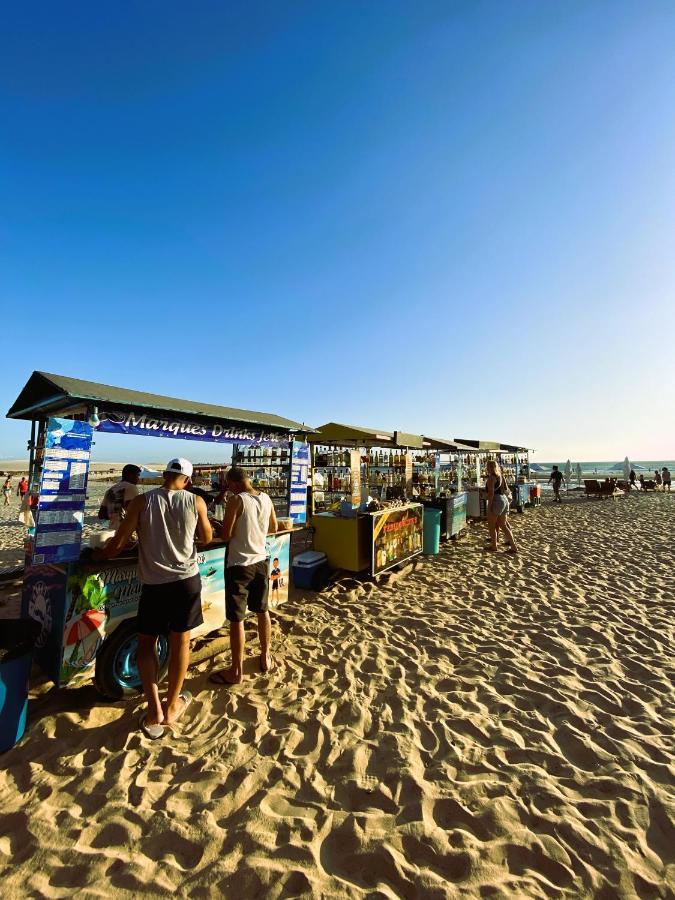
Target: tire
<point>116,669</point>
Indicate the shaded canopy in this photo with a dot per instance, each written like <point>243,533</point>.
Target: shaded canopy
<point>45,395</point>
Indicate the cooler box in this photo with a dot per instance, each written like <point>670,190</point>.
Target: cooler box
<point>309,570</point>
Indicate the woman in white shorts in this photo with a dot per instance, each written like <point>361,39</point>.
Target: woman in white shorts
<point>498,505</point>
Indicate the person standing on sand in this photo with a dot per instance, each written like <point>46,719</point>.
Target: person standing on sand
<point>633,476</point>
<point>657,477</point>
<point>498,504</point>
<point>166,520</point>
<point>557,478</point>
<point>118,497</point>
<point>249,518</point>
<point>665,475</point>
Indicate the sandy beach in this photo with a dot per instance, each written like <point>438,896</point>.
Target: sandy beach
<point>479,725</point>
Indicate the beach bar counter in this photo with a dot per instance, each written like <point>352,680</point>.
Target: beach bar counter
<point>350,464</point>
<point>86,608</point>
<point>514,462</point>
<point>438,475</point>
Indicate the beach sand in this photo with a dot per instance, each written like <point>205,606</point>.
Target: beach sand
<point>480,726</point>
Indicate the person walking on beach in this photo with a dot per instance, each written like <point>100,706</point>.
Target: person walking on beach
<point>22,489</point>
<point>557,478</point>
<point>166,520</point>
<point>498,504</point>
<point>249,518</point>
<point>7,490</point>
<point>665,475</point>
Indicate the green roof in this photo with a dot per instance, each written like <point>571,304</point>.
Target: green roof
<point>49,395</point>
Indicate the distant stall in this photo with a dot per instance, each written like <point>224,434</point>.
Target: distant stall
<point>87,609</point>
<point>351,465</point>
<point>438,479</point>
<point>514,462</point>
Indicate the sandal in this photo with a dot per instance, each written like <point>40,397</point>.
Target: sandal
<point>153,731</point>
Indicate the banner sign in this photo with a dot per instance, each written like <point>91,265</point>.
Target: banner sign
<point>62,495</point>
<point>148,425</point>
<point>355,470</point>
<point>458,521</point>
<point>299,476</point>
<point>397,536</point>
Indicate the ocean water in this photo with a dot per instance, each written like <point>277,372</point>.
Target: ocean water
<point>609,467</point>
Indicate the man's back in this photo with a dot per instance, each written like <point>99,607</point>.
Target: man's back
<point>247,544</point>
<point>116,498</point>
<point>166,532</point>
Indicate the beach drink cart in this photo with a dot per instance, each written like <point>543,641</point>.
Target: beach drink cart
<point>350,464</point>
<point>438,479</point>
<point>86,609</point>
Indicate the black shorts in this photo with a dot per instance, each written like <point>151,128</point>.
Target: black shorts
<point>175,606</point>
<point>246,586</point>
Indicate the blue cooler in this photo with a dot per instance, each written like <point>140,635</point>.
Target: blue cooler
<point>17,639</point>
<point>310,569</point>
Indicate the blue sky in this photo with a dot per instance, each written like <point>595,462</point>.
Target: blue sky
<point>449,218</point>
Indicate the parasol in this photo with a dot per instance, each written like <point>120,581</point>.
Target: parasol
<point>92,620</point>
<point>626,469</point>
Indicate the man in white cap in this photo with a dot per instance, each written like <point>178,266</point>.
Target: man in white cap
<point>166,520</point>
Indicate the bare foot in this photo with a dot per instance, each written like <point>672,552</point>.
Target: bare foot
<point>227,676</point>
<point>155,717</point>
<point>176,710</point>
<point>266,662</point>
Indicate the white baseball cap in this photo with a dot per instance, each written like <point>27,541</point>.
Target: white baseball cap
<point>180,466</point>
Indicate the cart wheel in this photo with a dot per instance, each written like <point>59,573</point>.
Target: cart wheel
<point>116,668</point>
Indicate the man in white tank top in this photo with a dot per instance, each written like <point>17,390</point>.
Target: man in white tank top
<point>249,518</point>
<point>166,520</point>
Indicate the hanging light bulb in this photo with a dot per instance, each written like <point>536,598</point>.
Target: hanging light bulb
<point>93,419</point>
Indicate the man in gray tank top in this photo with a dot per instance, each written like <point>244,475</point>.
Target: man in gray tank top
<point>249,518</point>
<point>166,520</point>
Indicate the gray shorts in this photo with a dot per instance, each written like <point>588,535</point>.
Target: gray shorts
<point>500,505</point>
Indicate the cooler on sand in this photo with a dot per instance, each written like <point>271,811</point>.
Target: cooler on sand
<point>17,639</point>
<point>310,570</point>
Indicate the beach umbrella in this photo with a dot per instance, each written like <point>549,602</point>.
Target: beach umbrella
<point>90,621</point>
<point>626,469</point>
<point>568,472</point>
<point>459,473</point>
<point>579,474</point>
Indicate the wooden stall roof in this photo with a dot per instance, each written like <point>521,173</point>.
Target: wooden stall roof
<point>447,444</point>
<point>45,394</point>
<point>336,432</point>
<point>494,446</point>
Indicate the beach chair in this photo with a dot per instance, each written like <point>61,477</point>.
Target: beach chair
<point>592,486</point>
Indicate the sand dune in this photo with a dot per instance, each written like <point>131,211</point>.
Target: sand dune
<point>481,726</point>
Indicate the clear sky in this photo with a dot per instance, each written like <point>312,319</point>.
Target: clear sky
<point>453,218</point>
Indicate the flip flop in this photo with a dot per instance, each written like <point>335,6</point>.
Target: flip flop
<point>219,678</point>
<point>187,699</point>
<point>154,732</point>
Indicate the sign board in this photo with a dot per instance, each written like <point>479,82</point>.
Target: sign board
<point>458,521</point>
<point>299,477</point>
<point>355,472</point>
<point>62,494</point>
<point>408,471</point>
<point>397,536</point>
<point>147,425</point>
